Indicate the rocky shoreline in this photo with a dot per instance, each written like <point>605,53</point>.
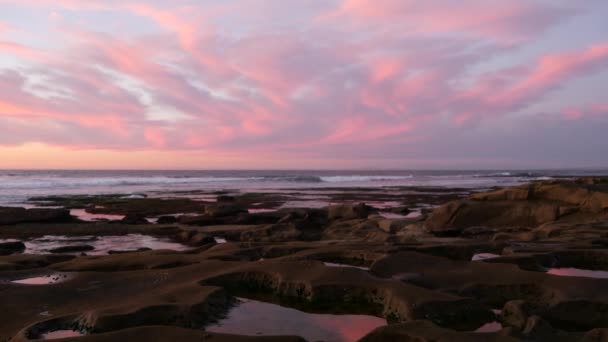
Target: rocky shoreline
<point>413,249</point>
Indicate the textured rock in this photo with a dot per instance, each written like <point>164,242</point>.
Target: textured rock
<point>348,211</point>
<point>72,249</point>
<point>10,215</point>
<point>7,248</point>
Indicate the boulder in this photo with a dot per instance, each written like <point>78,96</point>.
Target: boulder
<point>458,215</point>
<point>348,211</point>
<point>511,194</point>
<point>515,313</point>
<point>393,226</point>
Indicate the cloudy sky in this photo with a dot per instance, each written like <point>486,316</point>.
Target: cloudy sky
<point>201,84</point>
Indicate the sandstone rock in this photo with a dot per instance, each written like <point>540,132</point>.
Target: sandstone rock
<point>348,211</point>
<point>10,215</point>
<point>226,198</point>
<point>462,214</point>
<point>200,239</point>
<point>272,233</point>
<point>222,210</point>
<point>424,331</point>
<point>538,329</point>
<point>511,194</point>
<point>134,219</point>
<point>392,226</point>
<point>8,248</point>
<point>167,220</point>
<point>515,313</point>
<point>72,249</point>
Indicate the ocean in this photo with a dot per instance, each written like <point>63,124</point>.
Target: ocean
<point>17,186</point>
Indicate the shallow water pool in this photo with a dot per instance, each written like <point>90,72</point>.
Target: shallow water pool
<point>48,279</point>
<point>577,272</point>
<point>102,244</point>
<point>254,318</point>
<point>55,335</point>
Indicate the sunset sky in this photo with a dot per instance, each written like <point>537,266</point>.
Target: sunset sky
<point>303,84</point>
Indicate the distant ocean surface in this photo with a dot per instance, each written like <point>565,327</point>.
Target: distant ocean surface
<point>17,186</point>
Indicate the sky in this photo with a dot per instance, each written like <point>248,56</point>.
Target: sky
<point>303,84</point>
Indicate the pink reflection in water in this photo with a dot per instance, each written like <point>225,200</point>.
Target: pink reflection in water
<point>259,211</point>
<point>258,318</point>
<point>577,272</point>
<point>102,244</point>
<point>489,327</point>
<point>393,216</point>
<point>83,215</point>
<point>44,280</point>
<point>483,256</point>
<point>333,264</point>
<point>55,335</point>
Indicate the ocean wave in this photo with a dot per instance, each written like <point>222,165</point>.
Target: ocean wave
<point>340,179</point>
<point>298,179</point>
<point>33,182</point>
<point>511,175</point>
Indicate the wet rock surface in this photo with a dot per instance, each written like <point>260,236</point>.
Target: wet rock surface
<point>10,215</point>
<point>427,276</point>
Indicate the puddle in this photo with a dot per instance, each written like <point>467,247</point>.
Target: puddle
<point>484,256</point>
<point>384,205</point>
<point>48,279</point>
<point>135,196</point>
<point>332,264</point>
<point>220,240</point>
<point>312,204</point>
<point>577,272</point>
<point>260,211</point>
<point>393,216</point>
<point>254,318</point>
<point>55,335</point>
<point>88,217</point>
<point>490,327</point>
<point>102,244</point>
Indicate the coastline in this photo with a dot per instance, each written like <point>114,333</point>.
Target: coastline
<point>412,248</point>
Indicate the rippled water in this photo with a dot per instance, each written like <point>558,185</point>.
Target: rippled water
<point>17,186</point>
<point>102,244</point>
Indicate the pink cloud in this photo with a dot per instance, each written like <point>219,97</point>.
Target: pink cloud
<point>492,19</point>
<point>376,77</point>
<point>593,111</point>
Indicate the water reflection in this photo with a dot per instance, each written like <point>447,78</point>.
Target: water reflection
<point>55,335</point>
<point>484,256</point>
<point>85,216</point>
<point>253,318</point>
<point>102,244</point>
<point>578,272</point>
<point>333,264</point>
<point>48,279</point>
<point>489,327</point>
